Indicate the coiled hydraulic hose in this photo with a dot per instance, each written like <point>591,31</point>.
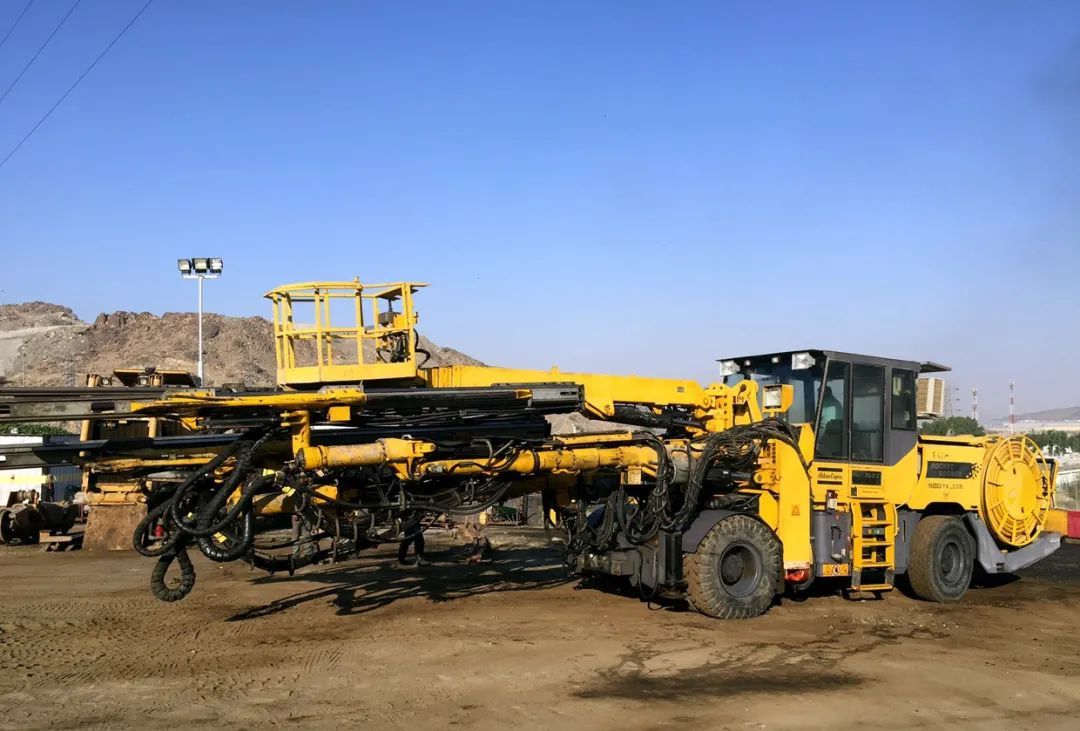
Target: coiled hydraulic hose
<point>160,588</point>
<point>215,552</point>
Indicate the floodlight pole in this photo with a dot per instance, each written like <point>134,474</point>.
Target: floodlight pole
<point>200,268</point>
<point>201,278</point>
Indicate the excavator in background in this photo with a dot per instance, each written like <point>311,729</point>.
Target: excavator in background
<point>795,467</point>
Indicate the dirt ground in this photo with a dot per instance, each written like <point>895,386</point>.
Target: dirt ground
<point>515,643</point>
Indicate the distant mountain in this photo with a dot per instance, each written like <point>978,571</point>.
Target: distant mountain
<point>43,344</point>
<point>1068,413</point>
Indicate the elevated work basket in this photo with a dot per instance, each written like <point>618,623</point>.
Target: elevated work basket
<point>344,332</point>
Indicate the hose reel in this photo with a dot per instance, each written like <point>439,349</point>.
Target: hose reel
<point>1017,491</point>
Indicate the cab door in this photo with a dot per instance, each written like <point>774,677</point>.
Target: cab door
<point>866,431</point>
<point>831,471</point>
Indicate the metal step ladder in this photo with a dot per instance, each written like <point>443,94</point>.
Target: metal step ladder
<point>873,544</point>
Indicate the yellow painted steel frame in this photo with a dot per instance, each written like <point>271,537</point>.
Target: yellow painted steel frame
<point>372,322</point>
<point>193,403</point>
<point>1010,485</point>
<point>784,481</point>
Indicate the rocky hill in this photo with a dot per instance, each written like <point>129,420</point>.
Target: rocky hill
<point>43,344</point>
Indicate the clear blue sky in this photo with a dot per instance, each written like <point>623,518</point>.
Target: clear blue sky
<point>610,186</point>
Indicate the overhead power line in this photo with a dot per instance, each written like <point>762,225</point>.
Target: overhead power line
<point>15,24</point>
<point>39,50</point>
<point>77,81</point>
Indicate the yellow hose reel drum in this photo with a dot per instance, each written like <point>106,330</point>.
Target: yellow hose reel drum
<point>1016,491</point>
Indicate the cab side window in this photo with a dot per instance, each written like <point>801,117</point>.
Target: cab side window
<point>832,431</point>
<point>903,400</point>
<point>867,413</point>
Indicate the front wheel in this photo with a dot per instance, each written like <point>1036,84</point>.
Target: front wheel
<point>735,571</point>
<point>942,559</point>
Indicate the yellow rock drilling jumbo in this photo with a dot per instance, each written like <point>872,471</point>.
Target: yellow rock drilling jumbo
<point>797,466</point>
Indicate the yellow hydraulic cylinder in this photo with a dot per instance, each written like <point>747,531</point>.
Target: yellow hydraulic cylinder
<point>568,459</point>
<point>381,451</point>
<point>552,461</point>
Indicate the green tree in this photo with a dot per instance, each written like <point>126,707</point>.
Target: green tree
<point>951,426</point>
<point>1057,440</point>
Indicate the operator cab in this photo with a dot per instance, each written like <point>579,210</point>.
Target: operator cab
<point>862,408</point>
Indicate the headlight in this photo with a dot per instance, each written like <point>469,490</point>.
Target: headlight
<point>728,368</point>
<point>801,361</point>
<point>773,397</point>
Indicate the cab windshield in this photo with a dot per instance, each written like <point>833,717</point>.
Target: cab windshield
<point>806,383</point>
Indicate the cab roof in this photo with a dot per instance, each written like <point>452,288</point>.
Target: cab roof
<point>923,367</point>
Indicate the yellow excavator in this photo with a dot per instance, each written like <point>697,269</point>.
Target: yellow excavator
<point>794,467</point>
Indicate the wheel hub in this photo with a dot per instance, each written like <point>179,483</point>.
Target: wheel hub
<point>740,568</point>
<point>950,561</point>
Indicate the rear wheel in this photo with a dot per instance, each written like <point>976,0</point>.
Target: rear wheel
<point>942,559</point>
<point>7,526</point>
<point>735,571</point>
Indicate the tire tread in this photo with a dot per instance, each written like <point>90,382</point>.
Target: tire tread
<point>703,584</point>
<point>922,569</point>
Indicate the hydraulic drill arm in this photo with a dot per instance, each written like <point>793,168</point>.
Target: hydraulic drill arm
<point>614,398</point>
<point>602,392</point>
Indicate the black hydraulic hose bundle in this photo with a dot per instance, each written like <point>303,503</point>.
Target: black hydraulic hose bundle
<point>165,509</point>
<point>492,492</point>
<point>736,449</point>
<point>202,526</point>
<point>172,517</point>
<point>240,546</point>
<point>582,534</point>
<point>141,538</point>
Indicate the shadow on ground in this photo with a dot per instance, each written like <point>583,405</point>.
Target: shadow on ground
<point>364,585</point>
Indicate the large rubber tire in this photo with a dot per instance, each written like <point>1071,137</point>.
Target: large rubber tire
<point>7,526</point>
<point>942,559</point>
<point>735,571</point>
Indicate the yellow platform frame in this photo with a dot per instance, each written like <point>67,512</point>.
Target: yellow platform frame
<point>373,321</point>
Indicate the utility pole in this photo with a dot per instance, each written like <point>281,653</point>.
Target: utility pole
<point>1012,407</point>
<point>975,404</point>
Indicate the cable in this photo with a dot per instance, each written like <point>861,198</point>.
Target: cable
<point>15,24</point>
<point>39,50</point>
<point>77,81</point>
